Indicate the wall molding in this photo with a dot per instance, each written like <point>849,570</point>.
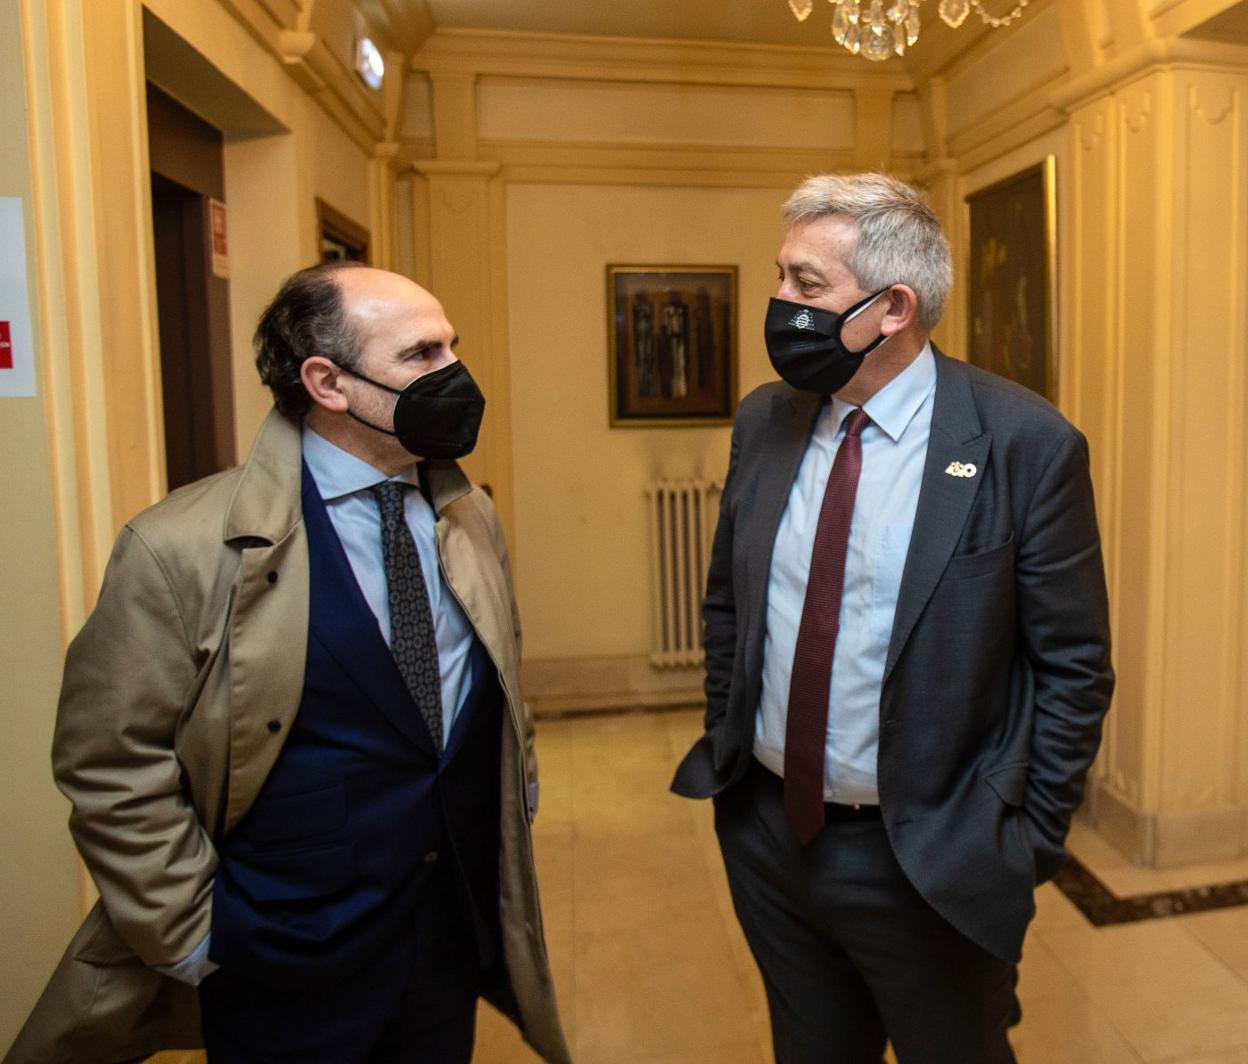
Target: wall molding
<point>1166,840</point>
<point>1145,58</point>
<point>583,57</point>
<point>566,685</point>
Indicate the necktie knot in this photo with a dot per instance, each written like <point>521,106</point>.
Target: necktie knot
<point>389,493</point>
<point>856,422</point>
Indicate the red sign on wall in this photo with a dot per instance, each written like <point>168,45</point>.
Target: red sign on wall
<point>220,247</point>
<point>6,347</point>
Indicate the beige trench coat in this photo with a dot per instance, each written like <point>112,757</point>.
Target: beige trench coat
<point>178,694</point>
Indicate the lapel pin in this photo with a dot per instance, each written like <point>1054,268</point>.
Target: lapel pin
<point>963,470</point>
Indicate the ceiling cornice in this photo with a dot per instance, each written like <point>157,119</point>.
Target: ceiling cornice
<point>634,59</point>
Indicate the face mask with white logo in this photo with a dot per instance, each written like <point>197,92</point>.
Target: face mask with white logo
<point>805,344</point>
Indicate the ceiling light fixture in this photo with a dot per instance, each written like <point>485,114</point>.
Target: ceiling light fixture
<point>370,65</point>
<point>867,28</point>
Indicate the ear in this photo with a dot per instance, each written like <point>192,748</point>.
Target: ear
<point>323,380</point>
<point>902,312</point>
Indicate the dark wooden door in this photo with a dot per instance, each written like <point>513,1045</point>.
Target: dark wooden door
<point>192,301</point>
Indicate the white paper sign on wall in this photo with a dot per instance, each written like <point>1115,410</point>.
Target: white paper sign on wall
<point>17,356</point>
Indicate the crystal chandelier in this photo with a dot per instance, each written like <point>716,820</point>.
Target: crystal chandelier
<point>865,28</point>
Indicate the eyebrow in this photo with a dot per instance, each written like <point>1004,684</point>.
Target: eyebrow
<point>421,346</point>
<point>801,267</point>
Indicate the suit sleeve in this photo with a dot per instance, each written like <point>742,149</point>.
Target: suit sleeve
<point>127,676</point>
<point>1064,623</point>
<point>719,612</point>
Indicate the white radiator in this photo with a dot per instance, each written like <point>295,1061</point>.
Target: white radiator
<point>682,516</point>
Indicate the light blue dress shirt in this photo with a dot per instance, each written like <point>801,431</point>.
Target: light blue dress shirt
<point>344,482</point>
<point>894,450</point>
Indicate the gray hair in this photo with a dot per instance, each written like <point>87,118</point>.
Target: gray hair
<point>899,238</point>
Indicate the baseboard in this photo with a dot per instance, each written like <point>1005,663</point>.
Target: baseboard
<point>566,686</point>
<point>1166,840</point>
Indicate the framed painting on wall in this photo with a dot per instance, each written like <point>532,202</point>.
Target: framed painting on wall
<point>672,345</point>
<point>1011,323</point>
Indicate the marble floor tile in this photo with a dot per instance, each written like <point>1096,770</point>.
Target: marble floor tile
<point>1234,1056</point>
<point>624,879</point>
<point>1055,911</point>
<point>1159,987</point>
<point>1065,1028</point>
<point>1200,875</point>
<point>1223,933</point>
<point>1040,974</point>
<point>658,988</point>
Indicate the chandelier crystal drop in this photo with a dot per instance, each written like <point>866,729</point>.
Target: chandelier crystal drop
<point>877,33</point>
<point>953,12</point>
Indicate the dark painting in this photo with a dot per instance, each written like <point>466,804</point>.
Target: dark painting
<point>672,344</point>
<point>1011,320</point>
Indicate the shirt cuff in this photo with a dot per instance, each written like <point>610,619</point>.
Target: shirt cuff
<point>192,969</point>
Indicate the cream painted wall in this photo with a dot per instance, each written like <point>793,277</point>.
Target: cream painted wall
<point>338,166</point>
<point>38,883</point>
<point>581,539</point>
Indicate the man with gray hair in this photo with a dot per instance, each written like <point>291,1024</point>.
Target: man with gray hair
<point>907,650</point>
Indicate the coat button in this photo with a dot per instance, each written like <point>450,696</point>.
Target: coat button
<point>272,576</point>
<point>275,726</point>
<point>431,857</point>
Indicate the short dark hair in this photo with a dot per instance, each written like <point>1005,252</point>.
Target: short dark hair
<point>305,318</point>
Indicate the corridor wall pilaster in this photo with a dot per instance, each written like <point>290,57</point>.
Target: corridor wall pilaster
<point>1156,311</point>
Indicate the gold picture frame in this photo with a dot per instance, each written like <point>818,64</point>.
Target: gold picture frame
<point>671,345</point>
<point>1012,311</point>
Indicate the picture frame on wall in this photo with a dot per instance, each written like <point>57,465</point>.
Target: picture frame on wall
<point>1011,318</point>
<point>671,345</point>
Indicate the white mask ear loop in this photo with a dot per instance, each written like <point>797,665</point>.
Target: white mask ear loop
<point>858,310</point>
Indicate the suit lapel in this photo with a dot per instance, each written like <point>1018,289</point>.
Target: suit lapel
<point>944,500</point>
<point>342,622</point>
<point>790,423</point>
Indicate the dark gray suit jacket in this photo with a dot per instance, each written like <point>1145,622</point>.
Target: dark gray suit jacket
<point>998,672</point>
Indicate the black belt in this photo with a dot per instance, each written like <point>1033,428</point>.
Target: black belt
<point>831,810</point>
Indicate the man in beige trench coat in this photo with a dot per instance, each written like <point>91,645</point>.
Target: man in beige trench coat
<point>301,771</point>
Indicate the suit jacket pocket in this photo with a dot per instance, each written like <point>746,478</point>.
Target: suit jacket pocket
<point>289,818</point>
<point>294,875</point>
<point>1009,781</point>
<point>982,562</point>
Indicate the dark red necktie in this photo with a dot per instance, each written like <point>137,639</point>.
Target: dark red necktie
<point>805,734</point>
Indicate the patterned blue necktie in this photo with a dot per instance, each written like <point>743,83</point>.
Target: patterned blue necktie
<point>411,620</point>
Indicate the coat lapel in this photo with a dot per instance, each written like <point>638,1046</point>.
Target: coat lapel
<point>944,500</point>
<point>269,601</point>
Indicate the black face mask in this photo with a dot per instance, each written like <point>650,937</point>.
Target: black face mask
<point>805,344</point>
<point>437,415</point>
